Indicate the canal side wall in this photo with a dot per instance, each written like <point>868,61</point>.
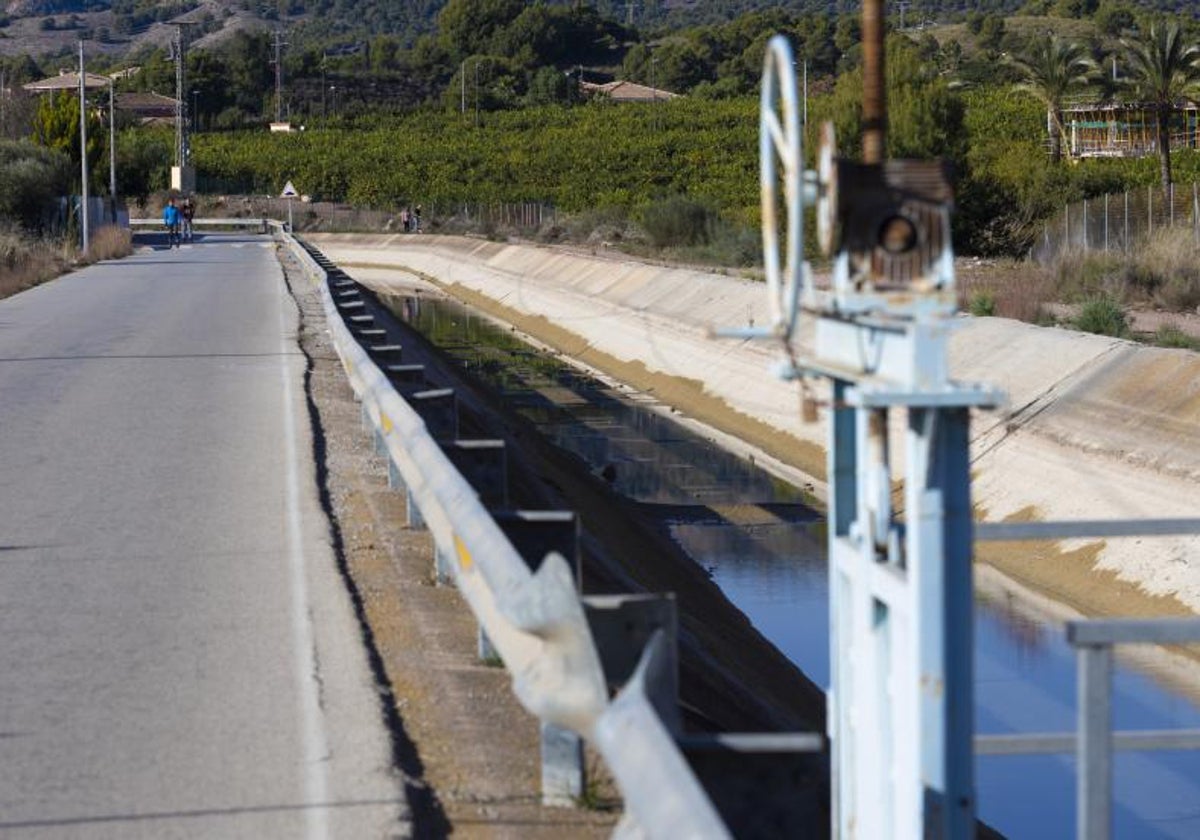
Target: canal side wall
<point>1094,428</point>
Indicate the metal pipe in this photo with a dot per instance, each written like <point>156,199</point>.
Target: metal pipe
<point>874,136</point>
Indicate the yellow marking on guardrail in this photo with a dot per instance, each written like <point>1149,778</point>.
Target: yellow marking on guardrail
<point>465,561</point>
<point>386,423</point>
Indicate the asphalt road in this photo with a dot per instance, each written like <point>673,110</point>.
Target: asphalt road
<point>178,655</point>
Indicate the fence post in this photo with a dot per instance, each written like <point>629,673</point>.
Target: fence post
<point>1085,227</point>
<point>1125,240</point>
<point>1150,209</point>
<point>1106,223</point>
<point>1094,749</point>
<point>1171,197</point>
<point>1067,226</point>
<point>1195,213</point>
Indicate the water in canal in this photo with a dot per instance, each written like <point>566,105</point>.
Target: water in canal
<point>761,545</point>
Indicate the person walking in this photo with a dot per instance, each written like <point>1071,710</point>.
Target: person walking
<point>171,221</point>
<point>188,213</point>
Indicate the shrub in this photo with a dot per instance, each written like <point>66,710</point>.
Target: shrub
<point>1102,315</point>
<point>676,221</point>
<point>1169,335</point>
<point>1081,276</point>
<point>983,303</point>
<point>31,180</point>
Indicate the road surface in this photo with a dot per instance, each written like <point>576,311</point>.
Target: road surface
<point>178,652</point>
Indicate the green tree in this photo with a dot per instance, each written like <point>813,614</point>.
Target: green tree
<point>56,126</point>
<point>1163,68</point>
<point>1113,18</point>
<point>466,27</point>
<point>1053,69</point>
<point>925,117</point>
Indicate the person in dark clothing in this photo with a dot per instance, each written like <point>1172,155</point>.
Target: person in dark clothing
<point>187,212</point>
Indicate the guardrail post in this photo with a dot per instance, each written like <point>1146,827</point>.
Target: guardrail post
<point>564,773</point>
<point>413,511</point>
<point>406,374</point>
<point>622,626</point>
<point>1094,753</point>
<point>762,784</point>
<point>536,533</point>
<point>438,407</point>
<point>484,464</point>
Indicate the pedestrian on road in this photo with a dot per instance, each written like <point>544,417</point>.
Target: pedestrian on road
<point>171,221</point>
<point>188,212</point>
<point>416,220</point>
<point>404,219</point>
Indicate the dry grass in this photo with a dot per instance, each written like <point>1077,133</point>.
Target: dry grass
<point>1162,271</point>
<point>108,243</point>
<point>25,262</point>
<point>1006,289</point>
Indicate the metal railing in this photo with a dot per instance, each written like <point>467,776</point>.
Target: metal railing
<point>1094,741</point>
<point>259,223</point>
<point>563,651</point>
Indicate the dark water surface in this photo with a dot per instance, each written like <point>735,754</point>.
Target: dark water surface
<point>766,550</point>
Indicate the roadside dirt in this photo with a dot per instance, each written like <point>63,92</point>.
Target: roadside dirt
<point>469,750</point>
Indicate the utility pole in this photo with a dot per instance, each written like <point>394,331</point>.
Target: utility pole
<point>83,205</point>
<point>279,44</point>
<point>183,177</point>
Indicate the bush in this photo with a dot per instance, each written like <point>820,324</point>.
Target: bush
<point>1102,315</point>
<point>31,180</point>
<point>983,304</point>
<point>677,221</point>
<point>1169,335</point>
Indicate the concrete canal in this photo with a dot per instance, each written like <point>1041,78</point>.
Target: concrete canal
<point>759,539</point>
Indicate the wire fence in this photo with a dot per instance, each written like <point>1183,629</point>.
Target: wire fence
<point>1119,221</point>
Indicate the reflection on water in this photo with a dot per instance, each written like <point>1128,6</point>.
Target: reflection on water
<point>766,550</point>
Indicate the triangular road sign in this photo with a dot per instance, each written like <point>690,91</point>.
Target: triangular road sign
<point>288,191</point>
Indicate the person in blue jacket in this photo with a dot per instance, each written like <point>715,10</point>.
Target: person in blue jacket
<point>171,220</point>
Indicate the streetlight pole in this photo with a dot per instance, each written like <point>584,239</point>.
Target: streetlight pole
<point>195,112</point>
<point>83,210</point>
<point>112,147</point>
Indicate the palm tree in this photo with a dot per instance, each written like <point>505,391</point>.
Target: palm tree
<point>1163,69</point>
<point>1053,69</point>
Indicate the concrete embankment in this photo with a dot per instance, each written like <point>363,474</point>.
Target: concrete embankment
<point>1094,427</point>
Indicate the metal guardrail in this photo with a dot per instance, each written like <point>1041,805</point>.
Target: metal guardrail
<point>263,224</point>
<point>536,622</point>
<point>1094,741</point>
